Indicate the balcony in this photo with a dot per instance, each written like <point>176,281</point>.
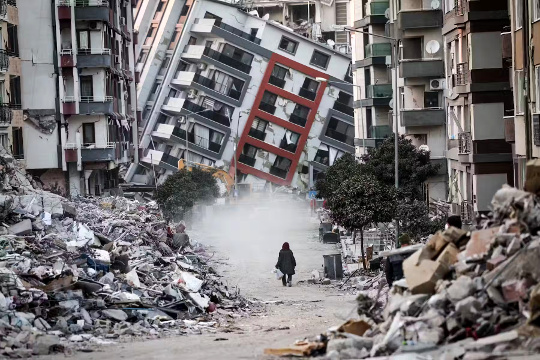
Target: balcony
<point>278,172</point>
<point>239,32</point>
<point>290,147</point>
<point>69,105</point>
<point>204,143</point>
<point>257,134</point>
<point>207,113</point>
<point>420,19</point>
<point>422,117</point>
<point>414,68</point>
<point>4,61</point>
<point>98,153</point>
<point>280,83</point>
<point>91,10</point>
<point>173,105</point>
<point>95,105</point>
<point>308,94</point>
<point>298,120</point>
<point>376,136</point>
<point>383,91</point>
<point>170,160</point>
<point>462,72</point>
<point>271,109</point>
<point>246,160</point>
<point>66,58</point>
<point>91,58</point>
<point>379,49</point>
<point>465,143</point>
<point>336,135</point>
<point>185,79</point>
<point>6,115</point>
<point>374,11</point>
<point>227,60</point>
<point>343,108</point>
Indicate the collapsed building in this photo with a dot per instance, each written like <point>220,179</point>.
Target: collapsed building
<point>227,88</point>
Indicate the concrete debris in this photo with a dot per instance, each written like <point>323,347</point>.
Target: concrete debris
<point>79,273</point>
<point>465,294</point>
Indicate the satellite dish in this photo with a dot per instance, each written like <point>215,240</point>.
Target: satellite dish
<point>266,16</point>
<point>391,103</point>
<point>387,13</point>
<point>330,42</point>
<point>433,47</point>
<point>435,4</point>
<point>423,148</point>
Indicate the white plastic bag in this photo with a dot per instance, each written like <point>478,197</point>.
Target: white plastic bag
<point>278,273</point>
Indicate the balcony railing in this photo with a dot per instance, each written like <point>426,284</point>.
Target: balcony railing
<point>308,94</point>
<point>277,81</point>
<point>379,91</point>
<point>171,160</point>
<point>379,132</point>
<point>207,113</point>
<point>94,51</point>
<point>269,108</point>
<point>4,60</point>
<point>377,7</point>
<point>467,212</point>
<point>460,7</point>
<point>92,98</point>
<point>341,137</point>
<point>80,2</point>
<point>257,134</point>
<point>227,60</point>
<point>179,133</point>
<point>291,147</point>
<point>278,172</point>
<point>298,120</point>
<point>344,108</point>
<point>247,160</point>
<point>6,115</point>
<point>465,142</point>
<point>211,84</point>
<point>462,73</point>
<point>239,32</point>
<point>380,49</point>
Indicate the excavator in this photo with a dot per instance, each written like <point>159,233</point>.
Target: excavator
<point>220,175</point>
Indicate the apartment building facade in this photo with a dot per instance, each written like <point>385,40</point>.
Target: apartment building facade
<point>415,27</point>
<point>250,96</point>
<point>78,97</point>
<point>478,98</point>
<point>523,126</point>
<point>11,116</point>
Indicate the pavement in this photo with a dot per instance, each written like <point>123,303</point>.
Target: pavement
<point>246,242</point>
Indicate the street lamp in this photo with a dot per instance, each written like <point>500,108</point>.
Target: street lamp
<point>395,48</point>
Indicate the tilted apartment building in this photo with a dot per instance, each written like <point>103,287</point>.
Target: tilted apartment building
<point>237,85</point>
<point>78,92</point>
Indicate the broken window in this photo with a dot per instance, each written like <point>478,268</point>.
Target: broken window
<point>288,45</point>
<point>89,133</point>
<point>290,141</point>
<point>319,59</point>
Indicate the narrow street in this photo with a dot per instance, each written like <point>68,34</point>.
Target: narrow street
<point>246,244</point>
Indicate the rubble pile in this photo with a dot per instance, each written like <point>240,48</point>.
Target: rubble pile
<point>89,271</point>
<point>465,294</point>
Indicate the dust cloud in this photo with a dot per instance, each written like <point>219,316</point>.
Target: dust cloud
<point>249,235</point>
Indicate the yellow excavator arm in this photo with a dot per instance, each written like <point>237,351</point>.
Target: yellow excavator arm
<point>217,173</point>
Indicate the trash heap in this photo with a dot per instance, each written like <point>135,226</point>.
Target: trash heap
<point>465,295</point>
<point>76,274</point>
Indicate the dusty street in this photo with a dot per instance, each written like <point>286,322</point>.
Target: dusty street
<point>246,242</point>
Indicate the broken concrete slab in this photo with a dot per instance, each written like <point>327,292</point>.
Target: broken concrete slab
<point>69,210</point>
<point>460,289</point>
<point>479,243</point>
<point>423,277</point>
<point>22,228</point>
<point>115,314</point>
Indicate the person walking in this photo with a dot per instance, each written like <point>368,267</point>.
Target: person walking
<point>286,264</point>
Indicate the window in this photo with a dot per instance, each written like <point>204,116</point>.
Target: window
<point>212,16</point>
<point>319,59</point>
<point>227,85</point>
<point>249,150</point>
<point>254,32</point>
<point>185,10</point>
<point>87,87</point>
<point>150,36</point>
<point>340,131</point>
<point>237,54</point>
<point>13,39</point>
<point>154,91</point>
<point>89,133</point>
<point>84,40</point>
<point>301,111</point>
<point>536,10</point>
<point>279,72</point>
<point>162,119</point>
<point>345,98</point>
<point>15,91</point>
<point>164,66</point>
<point>146,112</point>
<point>431,99</point>
<point>18,145</point>
<point>519,14</point>
<point>174,39</point>
<point>259,124</point>
<point>142,57</point>
<point>288,45</point>
<point>269,98</point>
<point>161,5</point>
<point>310,85</point>
<point>537,89</point>
<point>519,92</point>
<point>208,44</point>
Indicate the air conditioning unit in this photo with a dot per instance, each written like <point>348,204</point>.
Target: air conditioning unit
<point>201,66</point>
<point>123,21</point>
<point>117,59</point>
<point>192,94</point>
<point>437,84</point>
<point>95,25</point>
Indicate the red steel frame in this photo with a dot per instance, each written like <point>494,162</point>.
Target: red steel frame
<point>303,131</point>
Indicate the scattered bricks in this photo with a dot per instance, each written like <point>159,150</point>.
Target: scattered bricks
<point>514,290</point>
<point>493,263</point>
<point>22,228</point>
<point>480,243</point>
